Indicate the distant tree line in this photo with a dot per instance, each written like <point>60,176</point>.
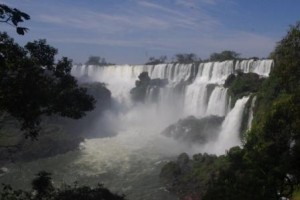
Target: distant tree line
<point>156,61</point>
<point>97,60</point>
<point>224,55</point>
<point>186,58</point>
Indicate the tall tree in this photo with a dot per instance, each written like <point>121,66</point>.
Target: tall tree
<point>33,85</point>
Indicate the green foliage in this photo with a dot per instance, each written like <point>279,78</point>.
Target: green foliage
<point>43,189</point>
<point>186,58</point>
<point>268,165</point>
<point>224,55</point>
<point>88,193</point>
<point>237,180</point>
<point>296,194</point>
<point>240,85</point>
<point>40,53</point>
<point>32,85</point>
<point>53,140</point>
<point>286,57</point>
<point>96,60</point>
<point>243,84</point>
<point>13,17</point>
<point>42,184</point>
<point>190,178</point>
<point>155,61</point>
<point>270,158</point>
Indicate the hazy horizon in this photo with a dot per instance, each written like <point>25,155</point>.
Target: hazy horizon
<point>131,31</point>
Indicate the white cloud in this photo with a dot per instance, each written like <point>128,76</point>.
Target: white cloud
<point>160,8</point>
<point>105,23</point>
<point>193,18</point>
<point>195,3</point>
<point>180,26</point>
<point>248,44</point>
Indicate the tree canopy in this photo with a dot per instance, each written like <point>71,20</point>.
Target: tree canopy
<point>97,60</point>
<point>33,85</point>
<point>155,61</point>
<point>186,58</point>
<point>224,55</point>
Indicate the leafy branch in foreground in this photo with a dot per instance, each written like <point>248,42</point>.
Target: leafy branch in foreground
<point>13,17</point>
<point>33,85</point>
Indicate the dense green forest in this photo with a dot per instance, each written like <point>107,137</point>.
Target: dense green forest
<point>267,166</point>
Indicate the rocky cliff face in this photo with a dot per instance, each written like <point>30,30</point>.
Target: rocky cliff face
<point>194,130</point>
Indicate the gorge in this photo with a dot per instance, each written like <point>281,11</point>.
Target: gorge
<point>129,161</point>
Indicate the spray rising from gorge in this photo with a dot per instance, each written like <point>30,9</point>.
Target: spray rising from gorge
<point>192,89</point>
<point>188,109</point>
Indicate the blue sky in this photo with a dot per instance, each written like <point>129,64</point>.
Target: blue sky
<point>130,31</point>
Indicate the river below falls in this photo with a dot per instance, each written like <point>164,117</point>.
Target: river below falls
<point>123,163</point>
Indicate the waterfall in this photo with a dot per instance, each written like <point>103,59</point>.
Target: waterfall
<point>251,113</point>
<point>218,102</point>
<point>195,100</point>
<point>229,135</point>
<point>260,67</point>
<point>202,92</point>
<point>130,160</point>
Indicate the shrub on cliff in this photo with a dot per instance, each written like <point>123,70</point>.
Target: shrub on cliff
<point>243,84</point>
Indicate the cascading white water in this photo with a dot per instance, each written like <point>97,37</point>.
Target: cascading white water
<point>251,113</point>
<point>260,67</point>
<point>218,102</point>
<point>229,135</point>
<point>203,96</point>
<point>130,162</point>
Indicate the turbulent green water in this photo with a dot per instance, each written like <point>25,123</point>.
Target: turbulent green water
<point>120,163</point>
